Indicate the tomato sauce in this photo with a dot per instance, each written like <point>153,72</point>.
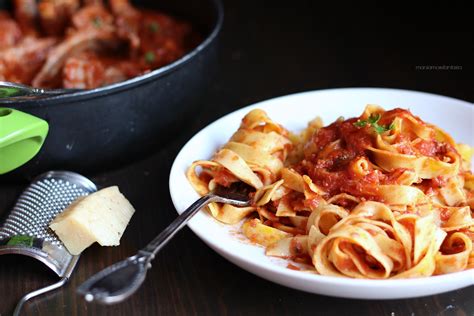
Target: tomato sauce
<point>293,267</point>
<point>330,169</point>
<point>330,156</point>
<point>445,214</point>
<point>224,177</point>
<point>295,200</point>
<point>296,248</point>
<point>432,186</point>
<point>456,247</point>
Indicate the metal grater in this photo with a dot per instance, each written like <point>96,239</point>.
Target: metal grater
<point>26,232</point>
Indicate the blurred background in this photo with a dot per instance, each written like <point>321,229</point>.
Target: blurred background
<point>272,48</point>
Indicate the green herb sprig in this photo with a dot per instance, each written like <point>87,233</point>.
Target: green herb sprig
<point>21,240</point>
<point>150,57</point>
<point>154,27</point>
<point>97,21</point>
<point>372,121</point>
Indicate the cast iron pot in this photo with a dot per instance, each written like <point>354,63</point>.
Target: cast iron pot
<point>101,128</point>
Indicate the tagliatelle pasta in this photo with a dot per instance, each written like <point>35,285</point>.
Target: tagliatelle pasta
<point>384,195</point>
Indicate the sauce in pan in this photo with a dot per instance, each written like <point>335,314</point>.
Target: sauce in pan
<point>88,44</point>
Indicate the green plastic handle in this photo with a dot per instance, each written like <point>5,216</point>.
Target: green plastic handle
<point>21,138</point>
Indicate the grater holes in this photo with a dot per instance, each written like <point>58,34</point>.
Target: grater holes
<point>38,205</point>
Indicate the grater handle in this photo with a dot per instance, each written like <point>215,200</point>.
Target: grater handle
<point>36,293</point>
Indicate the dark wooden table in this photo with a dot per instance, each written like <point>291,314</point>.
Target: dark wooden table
<point>267,50</point>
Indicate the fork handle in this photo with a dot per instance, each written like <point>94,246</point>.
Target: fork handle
<point>113,285</point>
<point>120,280</point>
<point>162,239</point>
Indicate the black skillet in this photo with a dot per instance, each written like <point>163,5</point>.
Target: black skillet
<point>101,128</point>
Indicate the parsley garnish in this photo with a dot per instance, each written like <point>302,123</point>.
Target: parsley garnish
<point>21,240</point>
<point>373,122</point>
<point>97,22</point>
<point>149,57</point>
<point>154,27</point>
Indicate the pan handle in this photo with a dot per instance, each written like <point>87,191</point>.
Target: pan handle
<point>21,138</point>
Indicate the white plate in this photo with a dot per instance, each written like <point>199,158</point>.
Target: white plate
<point>294,111</point>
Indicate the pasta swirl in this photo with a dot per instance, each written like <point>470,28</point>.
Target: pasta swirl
<point>384,195</point>
<point>254,155</point>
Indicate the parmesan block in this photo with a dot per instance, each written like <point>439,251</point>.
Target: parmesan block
<point>101,216</point>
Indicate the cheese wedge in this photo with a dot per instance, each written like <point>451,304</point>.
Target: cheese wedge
<point>102,216</point>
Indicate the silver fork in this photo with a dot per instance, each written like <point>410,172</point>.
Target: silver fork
<point>120,280</point>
